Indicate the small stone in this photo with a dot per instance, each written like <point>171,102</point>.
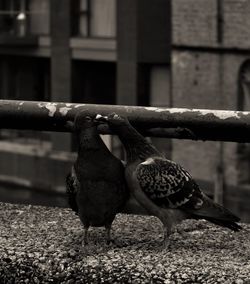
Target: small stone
<point>11,252</point>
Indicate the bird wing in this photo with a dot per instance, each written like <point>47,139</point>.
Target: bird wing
<point>168,184</point>
<point>72,187</point>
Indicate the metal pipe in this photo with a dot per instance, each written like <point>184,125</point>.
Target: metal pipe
<point>196,124</point>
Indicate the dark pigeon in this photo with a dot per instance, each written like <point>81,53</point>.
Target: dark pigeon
<point>96,186</point>
<point>164,188</point>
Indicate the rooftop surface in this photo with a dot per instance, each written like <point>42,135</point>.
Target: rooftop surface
<point>44,245</point>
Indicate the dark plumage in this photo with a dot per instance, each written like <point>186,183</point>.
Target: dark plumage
<point>162,186</point>
<point>71,190</point>
<point>96,186</point>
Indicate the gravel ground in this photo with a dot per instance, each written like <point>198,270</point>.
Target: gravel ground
<point>43,245</point>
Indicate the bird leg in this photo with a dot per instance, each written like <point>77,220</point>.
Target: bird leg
<point>108,235</point>
<point>167,229</point>
<point>85,236</point>
<point>170,218</point>
<point>166,241</point>
<point>154,210</point>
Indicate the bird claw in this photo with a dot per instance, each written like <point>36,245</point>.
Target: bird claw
<point>118,244</point>
<point>84,243</point>
<point>166,244</point>
<point>109,242</point>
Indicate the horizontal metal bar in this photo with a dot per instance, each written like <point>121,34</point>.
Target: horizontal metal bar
<point>197,124</point>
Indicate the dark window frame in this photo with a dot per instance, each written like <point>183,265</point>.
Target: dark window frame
<point>76,13</point>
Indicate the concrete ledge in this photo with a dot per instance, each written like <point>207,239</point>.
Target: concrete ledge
<point>43,245</point>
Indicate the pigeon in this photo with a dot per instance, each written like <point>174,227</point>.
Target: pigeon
<point>96,185</point>
<point>164,188</point>
<point>72,185</point>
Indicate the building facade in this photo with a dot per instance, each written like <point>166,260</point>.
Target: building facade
<point>210,68</point>
<point>180,53</point>
<point>85,51</point>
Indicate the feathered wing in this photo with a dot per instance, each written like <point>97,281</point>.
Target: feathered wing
<point>168,185</point>
<point>72,187</point>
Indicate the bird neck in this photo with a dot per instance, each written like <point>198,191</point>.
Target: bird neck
<point>89,140</point>
<point>136,146</point>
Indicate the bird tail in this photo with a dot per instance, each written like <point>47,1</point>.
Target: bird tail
<point>228,224</point>
<point>217,214</point>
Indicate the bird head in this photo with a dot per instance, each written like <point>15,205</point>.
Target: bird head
<point>84,120</point>
<point>113,120</point>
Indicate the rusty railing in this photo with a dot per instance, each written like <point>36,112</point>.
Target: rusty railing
<point>196,124</point>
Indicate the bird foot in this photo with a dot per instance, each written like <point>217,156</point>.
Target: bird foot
<point>118,243</point>
<point>177,233</point>
<point>180,233</point>
<point>109,242</point>
<point>84,243</point>
<point>166,244</point>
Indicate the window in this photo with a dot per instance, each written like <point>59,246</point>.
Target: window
<point>102,20</point>
<point>94,83</point>
<point>80,18</point>
<point>244,105</point>
<point>94,18</point>
<point>39,17</point>
<point>83,17</point>
<point>24,78</point>
<point>23,17</point>
<point>7,16</point>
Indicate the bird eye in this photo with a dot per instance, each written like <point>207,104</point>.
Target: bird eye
<point>88,118</point>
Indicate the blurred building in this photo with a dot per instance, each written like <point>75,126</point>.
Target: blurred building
<point>90,51</point>
<point>210,68</point>
<point>180,53</point>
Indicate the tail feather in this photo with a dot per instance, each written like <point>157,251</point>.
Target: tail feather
<point>217,214</point>
<point>228,224</point>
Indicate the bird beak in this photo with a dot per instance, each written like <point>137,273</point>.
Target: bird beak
<point>100,119</point>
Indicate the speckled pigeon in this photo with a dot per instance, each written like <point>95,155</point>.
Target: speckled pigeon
<point>96,186</point>
<point>162,186</point>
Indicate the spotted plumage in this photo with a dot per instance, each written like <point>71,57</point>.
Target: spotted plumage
<point>167,183</point>
<point>162,186</point>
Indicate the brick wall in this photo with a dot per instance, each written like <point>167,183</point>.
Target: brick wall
<point>231,64</point>
<point>206,80</point>
<point>196,79</point>
<point>160,96</point>
<point>196,84</point>
<point>236,29</point>
<point>194,22</point>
